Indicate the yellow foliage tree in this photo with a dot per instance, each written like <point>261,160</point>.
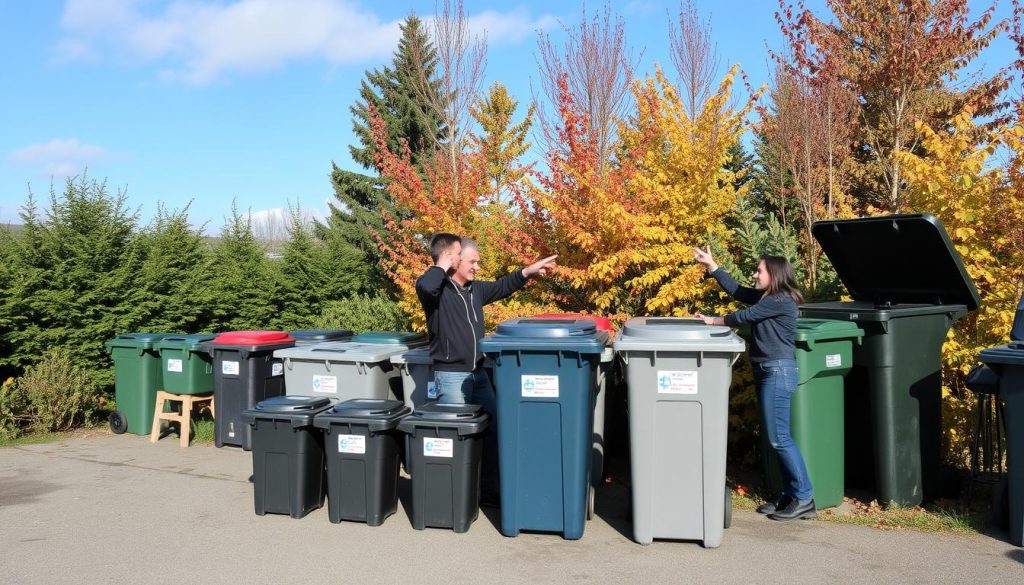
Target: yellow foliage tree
<point>982,209</point>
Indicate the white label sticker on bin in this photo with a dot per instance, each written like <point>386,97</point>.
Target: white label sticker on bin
<point>173,365</point>
<point>229,368</point>
<point>438,447</point>
<point>677,382</point>
<point>431,390</point>
<point>355,444</point>
<point>231,429</point>
<point>540,386</point>
<point>325,384</point>
<point>276,369</point>
<point>834,360</point>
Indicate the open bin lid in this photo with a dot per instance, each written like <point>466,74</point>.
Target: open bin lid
<point>468,419</point>
<point>192,342</point>
<point>897,259</point>
<point>571,334</point>
<point>676,334</point>
<point>299,410</point>
<point>406,338</point>
<point>377,415</point>
<point>320,335</point>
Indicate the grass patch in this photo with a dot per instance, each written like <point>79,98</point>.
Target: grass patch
<point>33,439</point>
<point>204,430</point>
<point>939,517</point>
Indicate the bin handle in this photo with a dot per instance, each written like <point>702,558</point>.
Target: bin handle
<point>361,368</point>
<point>327,365</point>
<point>735,358</point>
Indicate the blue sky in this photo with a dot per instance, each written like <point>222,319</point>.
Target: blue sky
<point>209,101</point>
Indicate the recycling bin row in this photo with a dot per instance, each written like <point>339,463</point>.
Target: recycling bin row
<point>306,450</point>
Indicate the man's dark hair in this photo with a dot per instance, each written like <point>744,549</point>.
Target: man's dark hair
<point>441,242</point>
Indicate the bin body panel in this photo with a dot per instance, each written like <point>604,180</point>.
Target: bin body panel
<point>343,371</point>
<point>242,378</point>
<point>187,368</point>
<point>893,397</point>
<point>678,446</point>
<point>823,359</point>
<point>137,376</point>
<point>362,446</point>
<point>545,375</point>
<point>1008,363</point>
<point>288,476</point>
<point>443,457</point>
<point>416,369</point>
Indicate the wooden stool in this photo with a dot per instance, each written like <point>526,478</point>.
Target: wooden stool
<point>184,419</point>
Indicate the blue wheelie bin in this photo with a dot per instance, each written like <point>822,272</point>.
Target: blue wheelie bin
<point>545,374</point>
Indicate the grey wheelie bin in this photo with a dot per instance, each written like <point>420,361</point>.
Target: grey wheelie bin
<point>345,370</point>
<point>1008,362</point>
<point>678,373</point>
<point>287,455</point>
<point>908,287</point>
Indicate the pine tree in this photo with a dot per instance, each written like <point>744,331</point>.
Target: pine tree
<point>242,285</point>
<point>390,91</point>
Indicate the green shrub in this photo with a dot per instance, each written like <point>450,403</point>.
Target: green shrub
<point>59,395</point>
<point>13,407</point>
<point>363,313</point>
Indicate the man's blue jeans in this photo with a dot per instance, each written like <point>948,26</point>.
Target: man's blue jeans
<point>776,381</point>
<point>474,388</point>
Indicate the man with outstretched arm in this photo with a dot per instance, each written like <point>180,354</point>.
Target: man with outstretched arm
<point>453,301</point>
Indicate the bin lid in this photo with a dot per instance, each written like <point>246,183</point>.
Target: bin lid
<point>299,410</point>
<point>378,415</point>
<point>825,329</point>
<point>318,335</point>
<point>191,342</point>
<point>342,352</point>
<point>602,323</point>
<point>676,334</point>
<point>135,340</point>
<point>253,338</point>
<point>1011,355</point>
<point>469,419</point>
<point>406,338</point>
<point>571,334</point>
<point>420,355</point>
<point>897,259</point>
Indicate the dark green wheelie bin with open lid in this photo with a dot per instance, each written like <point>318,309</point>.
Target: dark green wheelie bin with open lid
<point>137,377</point>
<point>824,355</point>
<point>1007,362</point>
<point>908,287</point>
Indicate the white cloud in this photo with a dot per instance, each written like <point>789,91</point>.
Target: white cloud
<point>200,41</point>
<point>60,157</point>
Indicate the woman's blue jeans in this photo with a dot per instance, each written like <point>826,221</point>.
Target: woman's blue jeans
<point>775,381</point>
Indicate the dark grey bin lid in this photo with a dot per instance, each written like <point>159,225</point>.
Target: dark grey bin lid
<point>580,335</point>
<point>300,410</point>
<point>468,419</point>
<point>897,259</point>
<point>377,415</point>
<point>318,335</point>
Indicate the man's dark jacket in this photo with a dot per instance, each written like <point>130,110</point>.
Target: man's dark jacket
<point>455,315</point>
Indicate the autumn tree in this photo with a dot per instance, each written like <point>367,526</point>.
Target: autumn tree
<point>905,61</point>
<point>501,142</point>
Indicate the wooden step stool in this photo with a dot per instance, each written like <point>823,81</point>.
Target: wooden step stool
<point>188,402</point>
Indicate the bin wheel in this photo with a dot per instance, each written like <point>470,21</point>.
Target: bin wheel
<point>590,502</point>
<point>728,507</point>
<point>118,422</point>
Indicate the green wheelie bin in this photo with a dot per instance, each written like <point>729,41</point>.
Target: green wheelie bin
<point>187,367</point>
<point>908,287</point>
<point>824,355</point>
<point>137,377</point>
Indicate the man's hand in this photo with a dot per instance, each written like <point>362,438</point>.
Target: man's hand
<point>540,267</point>
<point>448,260</point>
<point>704,257</point>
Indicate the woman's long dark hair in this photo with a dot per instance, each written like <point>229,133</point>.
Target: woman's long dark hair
<point>783,277</point>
